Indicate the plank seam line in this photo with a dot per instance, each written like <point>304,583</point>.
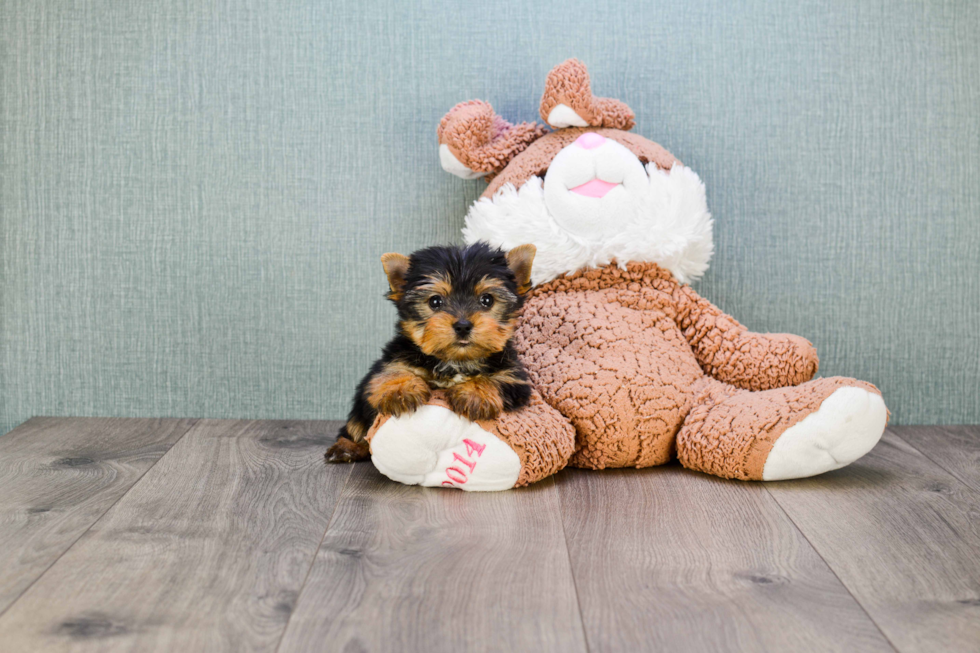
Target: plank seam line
<point>194,422</point>
<point>967,484</point>
<point>571,567</point>
<point>832,570</point>
<point>316,552</point>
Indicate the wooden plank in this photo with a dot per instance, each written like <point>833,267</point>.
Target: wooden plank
<point>904,536</point>
<point>954,448</point>
<point>671,560</point>
<point>206,553</point>
<point>58,475</point>
<point>416,569</point>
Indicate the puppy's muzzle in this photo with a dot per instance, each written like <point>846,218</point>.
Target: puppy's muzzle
<point>462,327</point>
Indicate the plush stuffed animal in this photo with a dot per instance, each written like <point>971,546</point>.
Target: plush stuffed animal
<point>631,367</point>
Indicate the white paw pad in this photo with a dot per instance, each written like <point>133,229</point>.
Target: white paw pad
<point>435,447</point>
<point>847,425</point>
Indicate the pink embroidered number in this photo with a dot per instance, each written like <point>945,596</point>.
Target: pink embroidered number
<point>474,446</point>
<point>457,475</point>
<point>470,464</point>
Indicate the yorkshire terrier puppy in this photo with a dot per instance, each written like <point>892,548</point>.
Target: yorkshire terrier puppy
<point>457,309</point>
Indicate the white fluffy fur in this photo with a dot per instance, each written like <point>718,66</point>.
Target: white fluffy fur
<point>667,223</point>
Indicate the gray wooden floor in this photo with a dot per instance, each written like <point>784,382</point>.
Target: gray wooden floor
<point>212,535</point>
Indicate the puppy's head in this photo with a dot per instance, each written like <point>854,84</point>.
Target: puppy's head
<point>459,303</point>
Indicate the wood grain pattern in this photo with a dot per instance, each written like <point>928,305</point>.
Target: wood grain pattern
<point>667,559</point>
<point>903,535</point>
<point>416,569</point>
<point>58,476</point>
<point>954,448</point>
<point>218,539</point>
<point>206,553</point>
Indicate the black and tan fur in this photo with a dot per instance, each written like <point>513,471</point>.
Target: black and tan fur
<point>457,309</point>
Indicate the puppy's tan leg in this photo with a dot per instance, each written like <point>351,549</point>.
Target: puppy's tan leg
<point>397,390</point>
<point>477,399</point>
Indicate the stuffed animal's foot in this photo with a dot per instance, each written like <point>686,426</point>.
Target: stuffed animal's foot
<point>847,425</point>
<point>435,447</point>
<point>784,433</point>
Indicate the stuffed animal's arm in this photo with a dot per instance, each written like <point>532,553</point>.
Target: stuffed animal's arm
<point>731,353</point>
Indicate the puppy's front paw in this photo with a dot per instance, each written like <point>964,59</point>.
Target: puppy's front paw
<point>476,399</point>
<point>398,394</point>
<point>347,451</point>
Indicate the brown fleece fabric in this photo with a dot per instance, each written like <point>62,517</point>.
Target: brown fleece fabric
<point>568,83</point>
<point>482,140</point>
<point>621,373</point>
<point>730,432</point>
<point>731,353</point>
<point>628,356</point>
<point>541,437</point>
<point>535,160</point>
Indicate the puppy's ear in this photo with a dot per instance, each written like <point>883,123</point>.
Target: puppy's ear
<point>396,267</point>
<point>519,261</point>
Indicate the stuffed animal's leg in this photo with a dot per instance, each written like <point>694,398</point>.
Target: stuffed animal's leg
<point>780,434</point>
<point>436,447</point>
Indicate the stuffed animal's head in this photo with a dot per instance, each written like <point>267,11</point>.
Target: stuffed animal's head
<point>586,193</point>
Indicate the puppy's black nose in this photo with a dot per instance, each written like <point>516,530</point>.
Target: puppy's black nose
<point>462,327</point>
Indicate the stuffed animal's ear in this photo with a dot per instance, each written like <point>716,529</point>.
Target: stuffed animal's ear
<point>568,101</point>
<point>475,142</point>
<point>396,267</point>
<point>519,261</point>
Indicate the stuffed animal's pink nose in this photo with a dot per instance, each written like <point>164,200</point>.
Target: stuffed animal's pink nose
<point>589,140</point>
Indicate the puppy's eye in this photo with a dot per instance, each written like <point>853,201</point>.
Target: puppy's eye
<point>486,300</point>
<point>435,302</point>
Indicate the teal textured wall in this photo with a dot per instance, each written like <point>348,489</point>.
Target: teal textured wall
<point>195,194</point>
